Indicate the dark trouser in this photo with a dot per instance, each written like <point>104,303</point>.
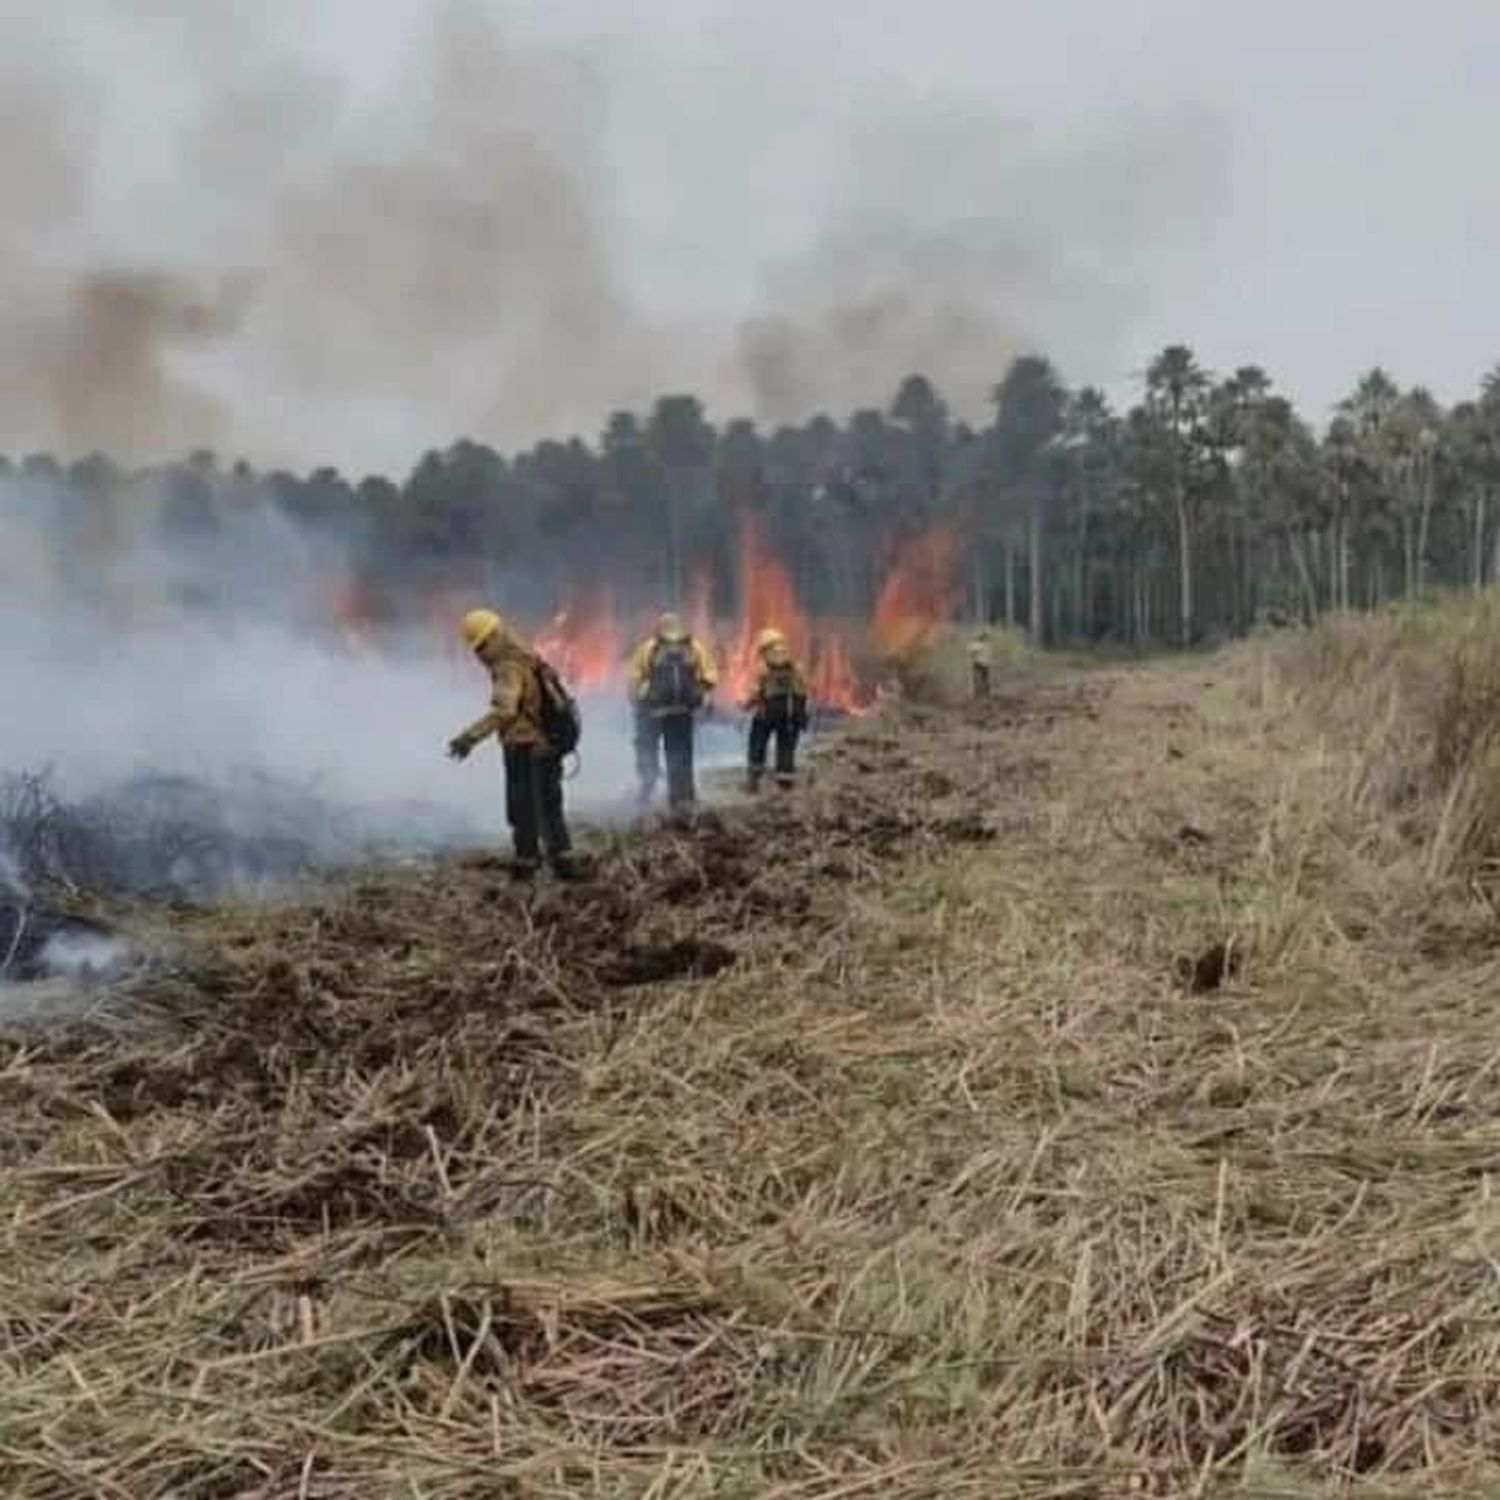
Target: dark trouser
<point>672,735</point>
<point>534,804</point>
<point>981,682</point>
<point>786,732</point>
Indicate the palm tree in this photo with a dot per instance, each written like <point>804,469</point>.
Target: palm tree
<point>1370,409</point>
<point>1414,431</point>
<point>1372,403</point>
<point>1176,392</point>
<point>1231,412</point>
<point>1090,440</point>
<point>1030,412</point>
<point>1281,466</point>
<point>1347,483</point>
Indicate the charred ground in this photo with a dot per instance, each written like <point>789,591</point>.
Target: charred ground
<point>1058,1098</point>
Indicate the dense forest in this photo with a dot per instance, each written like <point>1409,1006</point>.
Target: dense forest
<point>1208,503</point>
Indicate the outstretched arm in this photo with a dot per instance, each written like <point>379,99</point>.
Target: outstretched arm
<point>505,708</point>
<point>463,743</point>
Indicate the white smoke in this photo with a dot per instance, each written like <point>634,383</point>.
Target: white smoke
<point>83,956</point>
<point>218,662</point>
<point>365,732</point>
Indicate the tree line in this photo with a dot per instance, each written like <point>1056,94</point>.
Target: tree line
<point>1188,515</point>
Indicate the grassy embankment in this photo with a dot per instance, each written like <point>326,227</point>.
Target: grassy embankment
<point>1095,1094</point>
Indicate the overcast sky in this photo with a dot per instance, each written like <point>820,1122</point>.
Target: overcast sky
<point>1305,186</point>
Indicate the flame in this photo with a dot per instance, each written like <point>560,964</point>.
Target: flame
<point>584,642</point>
<point>587,643</point>
<point>832,682</point>
<point>919,595</point>
<point>767,598</point>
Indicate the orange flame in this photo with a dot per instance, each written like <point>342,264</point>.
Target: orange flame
<point>832,683</point>
<point>919,595</point>
<point>767,598</point>
<point>584,642</point>
<point>587,642</point>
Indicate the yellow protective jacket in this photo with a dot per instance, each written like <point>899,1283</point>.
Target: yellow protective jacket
<point>515,712</point>
<point>638,674</point>
<point>775,662</point>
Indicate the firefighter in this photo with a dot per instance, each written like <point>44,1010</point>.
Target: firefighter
<point>671,678</point>
<point>533,768</point>
<point>778,710</point>
<point>980,662</point>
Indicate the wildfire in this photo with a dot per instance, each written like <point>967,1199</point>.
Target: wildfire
<point>767,598</point>
<point>584,642</point>
<point>832,681</point>
<point>919,595</point>
<point>587,642</point>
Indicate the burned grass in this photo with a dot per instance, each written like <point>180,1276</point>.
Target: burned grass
<point>866,1143</point>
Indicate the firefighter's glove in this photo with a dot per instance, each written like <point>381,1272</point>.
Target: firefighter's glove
<point>459,747</point>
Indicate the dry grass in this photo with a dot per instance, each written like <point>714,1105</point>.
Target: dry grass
<point>871,1145</point>
<point>1411,701</point>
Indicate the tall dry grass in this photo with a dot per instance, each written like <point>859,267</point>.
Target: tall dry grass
<point>1410,700</point>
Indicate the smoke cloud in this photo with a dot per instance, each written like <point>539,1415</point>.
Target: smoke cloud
<point>304,265</point>
<point>958,239</point>
<point>205,679</point>
<point>285,233</point>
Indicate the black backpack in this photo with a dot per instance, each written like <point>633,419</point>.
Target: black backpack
<point>673,681</point>
<point>782,694</point>
<point>562,723</point>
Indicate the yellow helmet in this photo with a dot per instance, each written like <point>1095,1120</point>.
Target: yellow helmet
<point>480,626</point>
<point>769,637</point>
<point>669,627</point>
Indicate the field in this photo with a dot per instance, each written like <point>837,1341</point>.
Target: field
<point>1095,1092</point>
